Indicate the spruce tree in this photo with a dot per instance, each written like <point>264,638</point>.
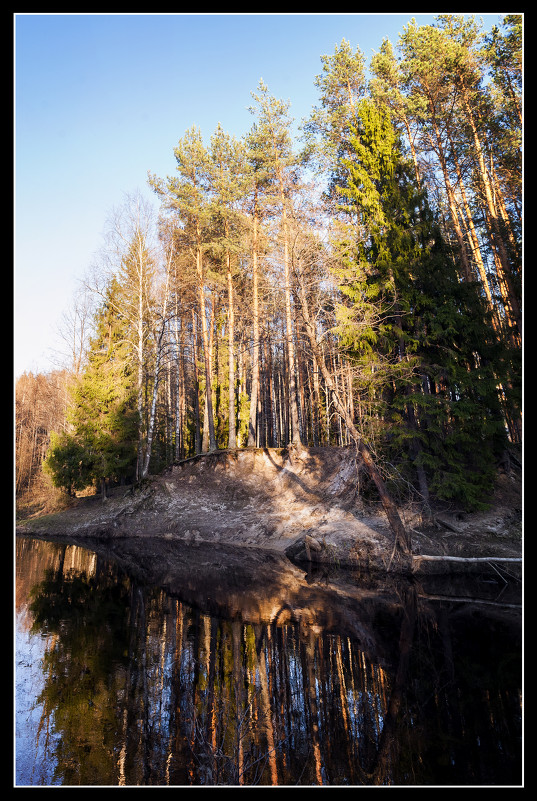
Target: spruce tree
<point>67,463</point>
<point>433,340</point>
<point>100,445</point>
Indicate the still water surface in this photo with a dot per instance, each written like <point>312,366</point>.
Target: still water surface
<point>166,665</point>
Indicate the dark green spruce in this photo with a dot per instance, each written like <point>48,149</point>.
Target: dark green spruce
<point>442,427</point>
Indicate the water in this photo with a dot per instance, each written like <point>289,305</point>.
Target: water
<point>160,664</point>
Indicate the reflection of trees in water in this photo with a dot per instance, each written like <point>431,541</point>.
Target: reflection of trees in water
<point>82,668</point>
<point>169,695</point>
<point>145,690</point>
<point>236,703</point>
<point>270,704</point>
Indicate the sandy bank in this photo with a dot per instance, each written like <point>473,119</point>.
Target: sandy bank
<point>307,505</point>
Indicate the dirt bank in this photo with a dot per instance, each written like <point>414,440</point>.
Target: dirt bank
<point>307,505</point>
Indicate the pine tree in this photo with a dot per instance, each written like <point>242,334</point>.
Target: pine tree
<point>273,128</point>
<point>228,187</point>
<point>186,196</point>
<point>341,85</point>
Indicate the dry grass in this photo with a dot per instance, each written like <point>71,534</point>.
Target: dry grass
<point>42,498</point>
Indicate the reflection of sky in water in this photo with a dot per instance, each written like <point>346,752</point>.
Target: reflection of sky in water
<point>34,755</point>
<point>34,739</point>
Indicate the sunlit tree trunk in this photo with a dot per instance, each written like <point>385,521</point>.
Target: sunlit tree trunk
<point>472,235</point>
<point>206,349</point>
<point>274,127</point>
<point>232,438</point>
<point>293,400</point>
<point>196,389</point>
<point>159,353</point>
<point>438,147</point>
<point>254,395</point>
<point>497,238</point>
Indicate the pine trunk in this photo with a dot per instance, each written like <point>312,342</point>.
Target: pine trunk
<point>232,437</point>
<point>206,352</point>
<point>252,424</point>
<point>497,239</point>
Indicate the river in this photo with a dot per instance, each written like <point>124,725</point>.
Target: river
<point>160,664</point>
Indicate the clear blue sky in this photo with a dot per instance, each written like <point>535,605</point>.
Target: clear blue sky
<point>100,100</point>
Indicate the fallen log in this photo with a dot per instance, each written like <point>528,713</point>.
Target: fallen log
<point>429,558</point>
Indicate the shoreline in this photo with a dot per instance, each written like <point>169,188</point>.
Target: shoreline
<point>306,506</point>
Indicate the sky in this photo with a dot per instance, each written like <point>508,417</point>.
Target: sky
<point>101,100</point>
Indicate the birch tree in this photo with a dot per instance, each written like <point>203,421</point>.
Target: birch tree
<point>128,255</point>
<point>159,332</point>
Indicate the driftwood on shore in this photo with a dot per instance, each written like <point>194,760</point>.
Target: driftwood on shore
<point>417,559</point>
<point>441,558</point>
